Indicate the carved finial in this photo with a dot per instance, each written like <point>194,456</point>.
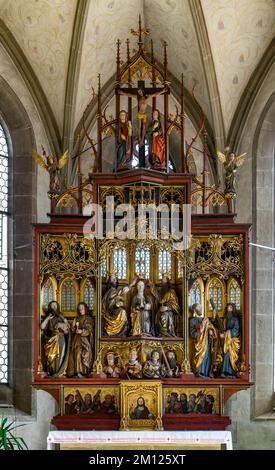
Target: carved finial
<point>152,51</point>
<point>205,137</point>
<point>99,83</point>
<point>140,32</point>
<point>153,63</point>
<point>118,61</point>
<point>128,61</point>
<point>128,50</point>
<point>165,59</point>
<point>182,92</point>
<point>165,51</point>
<point>118,50</point>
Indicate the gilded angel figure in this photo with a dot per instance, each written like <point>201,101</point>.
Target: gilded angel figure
<point>231,162</point>
<point>53,167</point>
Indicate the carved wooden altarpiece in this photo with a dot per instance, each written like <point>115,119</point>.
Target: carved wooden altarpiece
<point>212,272</point>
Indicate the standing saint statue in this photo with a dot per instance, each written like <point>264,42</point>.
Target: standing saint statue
<point>232,343</point>
<point>166,321</point>
<point>204,334</point>
<point>56,340</point>
<point>113,308</point>
<point>141,312</point>
<point>157,144</point>
<point>124,141</point>
<point>82,341</point>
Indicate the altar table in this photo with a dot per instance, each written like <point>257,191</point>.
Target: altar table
<point>140,440</point>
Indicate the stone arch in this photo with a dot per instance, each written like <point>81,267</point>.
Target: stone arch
<point>23,214</point>
<point>263,232</point>
<point>250,94</point>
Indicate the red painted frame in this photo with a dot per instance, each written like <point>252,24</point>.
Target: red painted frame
<point>201,225</point>
<point>147,176</point>
<point>224,225</point>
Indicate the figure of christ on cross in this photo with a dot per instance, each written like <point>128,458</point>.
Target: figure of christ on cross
<point>142,96</point>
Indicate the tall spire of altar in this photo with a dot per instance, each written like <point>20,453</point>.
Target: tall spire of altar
<point>140,32</point>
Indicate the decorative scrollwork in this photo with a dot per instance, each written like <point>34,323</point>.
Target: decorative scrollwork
<point>143,194</point>
<point>87,197</point>
<point>75,197</point>
<point>216,254</point>
<point>115,191</point>
<point>141,69</point>
<point>67,200</point>
<point>173,195</point>
<point>67,254</point>
<point>213,198</point>
<point>216,199</point>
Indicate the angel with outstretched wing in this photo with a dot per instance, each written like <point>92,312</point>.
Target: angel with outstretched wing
<point>231,162</point>
<point>53,167</point>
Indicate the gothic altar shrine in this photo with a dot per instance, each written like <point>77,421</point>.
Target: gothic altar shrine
<point>132,333</point>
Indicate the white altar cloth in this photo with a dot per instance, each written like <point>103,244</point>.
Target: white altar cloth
<point>111,438</point>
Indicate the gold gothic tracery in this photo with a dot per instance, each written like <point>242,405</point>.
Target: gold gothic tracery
<point>68,254</point>
<point>216,254</point>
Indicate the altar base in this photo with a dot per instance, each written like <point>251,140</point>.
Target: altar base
<point>140,440</point>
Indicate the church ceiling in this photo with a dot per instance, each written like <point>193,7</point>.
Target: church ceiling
<point>43,29</point>
<point>171,21</point>
<point>107,21</point>
<point>237,33</point>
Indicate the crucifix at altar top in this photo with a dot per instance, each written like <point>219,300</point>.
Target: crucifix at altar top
<point>141,77</point>
<point>142,94</point>
<point>145,95</point>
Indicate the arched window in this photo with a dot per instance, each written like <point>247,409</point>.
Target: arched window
<point>180,268</point>
<point>89,294</point>
<point>195,294</point>
<point>68,296</point>
<point>142,261</point>
<point>120,263</point>
<point>164,262</point>
<point>4,272</point>
<point>135,157</point>
<point>104,267</point>
<point>216,294</point>
<point>235,293</point>
<point>48,293</point>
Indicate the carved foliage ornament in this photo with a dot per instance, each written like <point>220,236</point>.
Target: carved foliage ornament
<point>66,254</point>
<point>216,254</point>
